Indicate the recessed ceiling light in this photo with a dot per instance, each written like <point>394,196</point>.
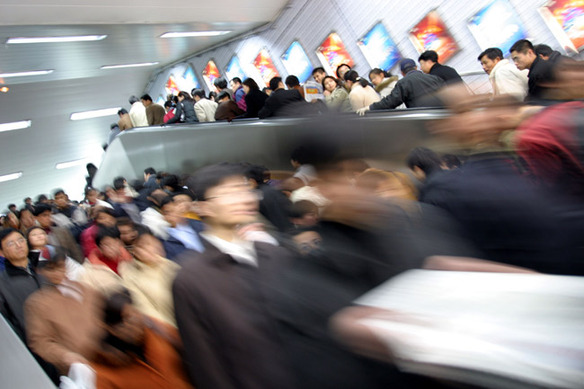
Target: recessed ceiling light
<point>15,125</point>
<point>26,74</point>
<point>10,177</point>
<point>4,89</point>
<point>65,165</point>
<point>190,34</point>
<point>97,113</point>
<point>130,65</point>
<point>55,39</point>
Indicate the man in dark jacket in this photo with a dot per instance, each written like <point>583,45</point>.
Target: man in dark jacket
<point>412,90</point>
<point>227,108</point>
<point>540,71</point>
<point>429,65</point>
<point>280,99</point>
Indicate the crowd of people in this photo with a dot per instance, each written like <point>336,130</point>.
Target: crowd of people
<point>232,278</point>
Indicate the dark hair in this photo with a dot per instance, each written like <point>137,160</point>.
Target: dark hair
<point>146,97</point>
<point>106,210</point>
<point>302,207</point>
<point>57,192</point>
<point>133,99</point>
<point>329,78</point>
<point>292,81</point>
<point>114,306</point>
<point>428,55</point>
<point>41,207</point>
<point>236,79</point>
<point>11,205</point>
<point>198,92</point>
<point>167,104</point>
<point>274,82</point>
<point>353,76</point>
<point>340,66</point>
<point>319,69</point>
<point>125,221</point>
<point>119,183</point>
<point>185,95</point>
<point>166,200</point>
<point>211,176</point>
<point>251,84</point>
<point>212,94</point>
<point>172,181</point>
<point>106,232</point>
<point>220,83</point>
<point>7,231</point>
<point>57,255</point>
<point>424,158</point>
<point>544,50</point>
<point>522,46</point>
<point>300,155</point>
<point>255,172</point>
<point>223,95</point>
<point>149,170</point>
<point>114,125</point>
<point>378,71</point>
<point>451,161</point>
<point>122,111</point>
<point>492,53</point>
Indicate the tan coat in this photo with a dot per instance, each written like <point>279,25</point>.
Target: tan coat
<point>362,97</point>
<point>125,123</point>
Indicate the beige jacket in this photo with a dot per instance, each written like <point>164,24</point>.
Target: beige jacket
<point>362,97</point>
<point>205,110</point>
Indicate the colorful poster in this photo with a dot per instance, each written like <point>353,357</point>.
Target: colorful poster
<point>189,80</point>
<point>160,100</point>
<point>296,62</point>
<point>210,73</point>
<point>379,49</point>
<point>332,53</point>
<point>432,34</point>
<point>497,25</point>
<point>234,69</point>
<point>565,18</point>
<point>171,87</point>
<point>265,66</point>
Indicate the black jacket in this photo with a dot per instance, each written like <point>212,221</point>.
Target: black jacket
<point>254,101</point>
<point>278,100</point>
<point>540,73</point>
<point>411,91</point>
<point>186,107</point>
<point>448,74</point>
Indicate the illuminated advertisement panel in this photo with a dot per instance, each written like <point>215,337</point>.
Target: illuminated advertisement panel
<point>296,62</point>
<point>332,53</point>
<point>265,66</point>
<point>189,80</point>
<point>210,73</point>
<point>379,49</point>
<point>432,34</point>
<point>565,18</point>
<point>234,69</point>
<point>497,25</point>
<point>171,87</point>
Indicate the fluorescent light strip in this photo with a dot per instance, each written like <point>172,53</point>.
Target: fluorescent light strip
<point>130,65</point>
<point>15,125</point>
<point>97,113</point>
<point>191,34</point>
<point>55,39</point>
<point>27,74</point>
<point>10,177</point>
<point>65,165</point>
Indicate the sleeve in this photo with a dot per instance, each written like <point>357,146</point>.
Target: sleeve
<point>391,101</point>
<point>511,83</point>
<point>177,115</point>
<point>266,110</point>
<point>200,112</point>
<point>201,354</point>
<point>150,116</point>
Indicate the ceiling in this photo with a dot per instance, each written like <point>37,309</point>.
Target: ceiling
<point>77,82</point>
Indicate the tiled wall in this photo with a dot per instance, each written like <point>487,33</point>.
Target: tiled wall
<point>310,21</point>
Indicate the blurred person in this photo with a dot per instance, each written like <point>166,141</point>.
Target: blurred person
<point>504,76</point>
<point>111,251</point>
<point>125,122</point>
<point>238,93</point>
<point>171,184</point>
<point>154,112</point>
<point>128,232</point>
<point>540,71</point>
<point>342,69</point>
<point>220,85</point>
<point>227,109</point>
<point>414,90</point>
<point>292,82</point>
<point>122,200</point>
<point>170,109</point>
<point>307,240</point>
<point>450,161</point>
<point>150,178</point>
<point>204,108</point>
<point>361,93</point>
<point>13,209</point>
<point>304,213</point>
<point>387,185</point>
<point>423,162</point>
<point>548,54</point>
<point>318,74</point>
<point>254,98</point>
<point>185,109</point>
<point>281,101</point>
<point>212,96</point>
<point>300,159</point>
<point>429,64</point>
<point>66,214</point>
<point>152,216</point>
<point>91,172</point>
<point>102,217</point>
<point>58,236</point>
<point>183,233</point>
<point>219,294</point>
<point>114,132</point>
<point>138,112</point>
<point>384,82</point>
<point>27,219</point>
<point>28,204</point>
<point>338,98</point>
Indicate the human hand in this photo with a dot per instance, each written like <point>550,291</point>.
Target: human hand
<point>361,111</point>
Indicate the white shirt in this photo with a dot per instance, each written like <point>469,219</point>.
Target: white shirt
<point>507,79</point>
<point>240,250</point>
<point>138,115</point>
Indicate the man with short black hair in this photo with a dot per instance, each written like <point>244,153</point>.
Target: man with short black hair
<point>204,108</point>
<point>150,178</point>
<point>429,64</point>
<point>292,82</point>
<point>279,99</point>
<point>154,112</point>
<point>540,71</point>
<point>239,93</point>
<point>125,122</point>
<point>221,85</point>
<point>137,112</point>
<point>504,76</point>
<point>227,109</point>
<point>58,236</point>
<point>318,74</point>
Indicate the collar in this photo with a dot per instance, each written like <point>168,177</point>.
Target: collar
<point>241,251</point>
<point>17,271</point>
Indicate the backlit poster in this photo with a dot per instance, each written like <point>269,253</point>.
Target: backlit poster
<point>332,53</point>
<point>265,66</point>
<point>497,25</point>
<point>160,100</point>
<point>379,49</point>
<point>210,73</point>
<point>296,62</point>
<point>432,34</point>
<point>565,18</point>
<point>234,69</point>
<point>189,80</point>
<point>171,87</point>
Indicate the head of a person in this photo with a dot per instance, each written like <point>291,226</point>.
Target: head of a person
<point>198,94</point>
<point>299,156</point>
<point>183,201</point>
<point>307,240</point>
<point>377,76</point>
<point>109,243</point>
<point>133,99</point>
<point>146,100</point>
<point>127,229</point>
<point>148,248</point>
<point>26,218</point>
<point>212,96</point>
<point>543,51</point>
<point>122,112</point>
<point>276,83</point>
<point>104,216</point>
<point>223,97</point>
<point>224,195</point>
<point>167,105</point>
<point>351,77</point>
<point>423,162</point>
<point>407,65</point>
<point>148,172</point>
<point>37,238</point>
<point>489,58</point>
<point>42,214</point>
<point>292,82</point>
<point>170,183</point>
<point>386,185</point>
<point>235,83</point>
<point>42,198</point>
<point>523,54</point>
<point>304,213</point>
<point>450,161</point>
<point>330,83</point>
<point>220,84</point>
<point>28,201</point>
<point>342,69</point>
<point>182,95</point>
<point>119,184</point>
<point>61,198</point>
<point>123,322</point>
<point>318,74</point>
<point>256,174</point>
<point>428,59</point>
<point>249,84</point>
<point>53,268</point>
<point>14,246</point>
<point>12,207</point>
